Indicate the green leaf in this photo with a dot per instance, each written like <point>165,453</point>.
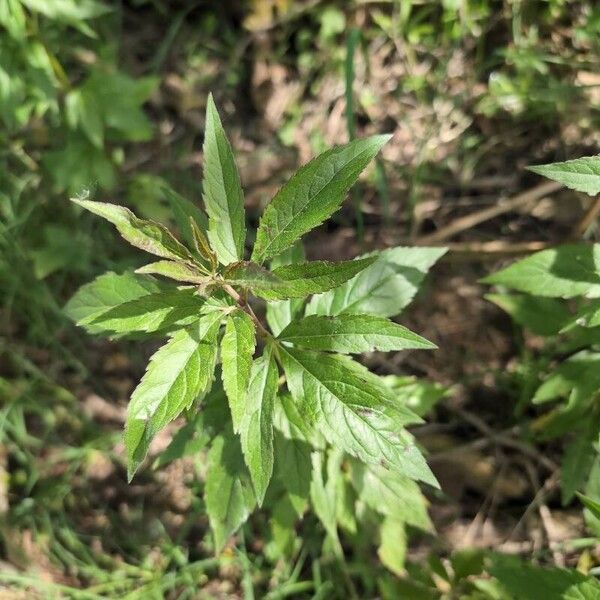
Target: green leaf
<point>590,504</point>
<point>312,195</point>
<point>256,430</point>
<point>228,490</point>
<point>544,316</point>
<point>300,280</point>
<point>563,272</point>
<point>237,349</point>
<point>391,494</point>
<point>130,303</point>
<point>418,394</point>
<point>293,468</point>
<point>223,196</point>
<point>527,582</point>
<point>351,334</point>
<point>581,174</point>
<point>176,375</point>
<point>354,411</point>
<point>393,544</point>
<point>294,281</point>
<point>183,210</point>
<point>175,270</point>
<point>105,292</point>
<point>146,235</point>
<point>384,288</point>
<point>282,312</point>
<point>154,312</point>
<point>323,494</point>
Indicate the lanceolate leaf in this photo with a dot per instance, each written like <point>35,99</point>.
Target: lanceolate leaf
<point>294,281</point>
<point>563,272</point>
<point>312,195</point>
<point>348,334</point>
<point>131,303</point>
<point>581,174</point>
<point>223,194</point>
<point>257,423</point>
<point>146,235</point>
<point>105,292</point>
<point>228,491</point>
<point>392,546</point>
<point>154,312</point>
<point>174,270</point>
<point>183,211</point>
<point>237,349</point>
<point>293,468</point>
<point>353,411</point>
<point>382,289</point>
<point>176,375</point>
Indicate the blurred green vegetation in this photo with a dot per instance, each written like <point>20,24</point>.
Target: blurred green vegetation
<point>106,99</point>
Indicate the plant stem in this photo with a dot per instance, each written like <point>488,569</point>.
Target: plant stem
<point>243,304</point>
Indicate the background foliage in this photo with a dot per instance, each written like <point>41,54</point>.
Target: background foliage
<point>108,99</point>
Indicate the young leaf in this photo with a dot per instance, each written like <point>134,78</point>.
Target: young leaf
<point>293,281</point>
<point>237,349</point>
<point>382,289</point>
<point>223,194</point>
<point>312,195</point>
<point>174,270</point>
<point>151,237</point>
<point>354,411</point>
<point>176,375</point>
<point>563,272</point>
<point>590,504</point>
<point>154,312</point>
<point>228,491</point>
<point>185,212</point>
<point>351,334</point>
<point>257,424</point>
<point>581,174</point>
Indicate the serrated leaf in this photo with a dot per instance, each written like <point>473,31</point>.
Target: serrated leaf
<point>293,281</point>
<point>175,270</point>
<point>282,312</point>
<point>151,237</point>
<point>354,411</point>
<point>544,316</point>
<point>351,334</point>
<point>256,431</point>
<point>312,195</point>
<point>581,174</point>
<point>391,494</point>
<point>222,191</point>
<point>105,292</point>
<point>154,312</point>
<point>176,375</point>
<point>563,272</point>
<point>131,303</point>
<point>237,349</point>
<point>382,289</point>
<point>228,491</point>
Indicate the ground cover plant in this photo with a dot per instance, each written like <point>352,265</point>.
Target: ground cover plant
<point>334,429</point>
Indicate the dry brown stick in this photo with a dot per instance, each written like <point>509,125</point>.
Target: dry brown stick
<point>492,250</point>
<point>468,221</point>
<point>592,213</point>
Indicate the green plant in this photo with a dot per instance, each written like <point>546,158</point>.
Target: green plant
<point>559,301</point>
<point>306,422</point>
